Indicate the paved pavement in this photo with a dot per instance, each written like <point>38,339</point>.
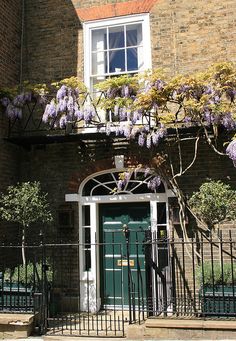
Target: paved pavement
<point>82,338</point>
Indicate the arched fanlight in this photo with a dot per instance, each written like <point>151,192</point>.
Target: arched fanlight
<point>108,184</point>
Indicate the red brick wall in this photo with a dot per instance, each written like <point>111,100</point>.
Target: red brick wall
<point>10,39</point>
<point>10,28</point>
<point>52,49</point>
<point>186,36</point>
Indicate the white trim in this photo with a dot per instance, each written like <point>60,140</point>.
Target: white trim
<point>72,197</point>
<point>137,18</point>
<point>115,170</point>
<point>92,277</point>
<point>159,197</point>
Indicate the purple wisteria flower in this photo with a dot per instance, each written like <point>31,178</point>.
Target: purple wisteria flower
<point>147,87</point>
<point>88,114</point>
<point>154,183</point>
<point>62,92</point>
<point>147,172</point>
<point>136,116</point>
<point>158,135</point>
<point>123,114</point>
<point>78,114</point>
<point>62,105</point>
<point>28,96</point>
<point>120,185</point>
<point>127,131</point>
<point>228,122</point>
<point>208,90</point>
<point>5,101</point>
<point>187,119</point>
<point>49,112</point>
<point>70,104</point>
<point>159,84</point>
<point>134,132</point>
<point>13,111</point>
<point>149,141</point>
<point>231,93</point>
<point>125,91</point>
<point>63,121</point>
<point>207,116</point>
<point>141,140</point>
<point>231,151</point>
<point>112,93</point>
<point>42,99</point>
<point>123,181</point>
<point>19,100</point>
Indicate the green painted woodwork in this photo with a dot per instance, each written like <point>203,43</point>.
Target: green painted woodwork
<point>114,252</point>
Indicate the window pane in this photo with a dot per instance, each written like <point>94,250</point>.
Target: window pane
<point>161,213</point>
<point>99,63</point>
<point>132,59</point>
<point>116,37</point>
<point>134,35</point>
<point>87,237</point>
<point>117,61</point>
<point>99,39</point>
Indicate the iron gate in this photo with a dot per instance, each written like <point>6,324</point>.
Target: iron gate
<point>76,301</point>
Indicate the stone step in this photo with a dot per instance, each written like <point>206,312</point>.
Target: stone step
<point>16,326</point>
<point>188,329</point>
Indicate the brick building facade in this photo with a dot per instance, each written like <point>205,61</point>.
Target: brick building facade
<point>185,37</point>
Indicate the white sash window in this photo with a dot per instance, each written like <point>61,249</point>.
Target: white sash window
<point>116,46</point>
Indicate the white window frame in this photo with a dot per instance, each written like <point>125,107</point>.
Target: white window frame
<point>131,19</point>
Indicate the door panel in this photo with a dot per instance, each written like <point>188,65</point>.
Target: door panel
<point>115,280</point>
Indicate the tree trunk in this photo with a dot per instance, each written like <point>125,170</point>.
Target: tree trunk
<point>23,246</point>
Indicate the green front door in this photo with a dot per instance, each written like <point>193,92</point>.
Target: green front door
<point>120,278</point>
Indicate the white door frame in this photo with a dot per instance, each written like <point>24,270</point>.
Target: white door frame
<point>93,203</point>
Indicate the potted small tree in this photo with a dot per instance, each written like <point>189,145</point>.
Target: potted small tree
<point>214,203</point>
<point>217,292</point>
<point>25,204</point>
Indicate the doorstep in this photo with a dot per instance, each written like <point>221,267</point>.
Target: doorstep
<point>16,326</point>
<point>186,329</point>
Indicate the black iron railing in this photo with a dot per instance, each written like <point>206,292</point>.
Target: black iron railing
<point>126,283</point>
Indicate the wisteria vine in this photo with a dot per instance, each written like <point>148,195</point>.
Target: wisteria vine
<point>141,107</point>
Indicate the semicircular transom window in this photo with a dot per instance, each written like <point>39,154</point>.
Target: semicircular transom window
<point>109,184</point>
